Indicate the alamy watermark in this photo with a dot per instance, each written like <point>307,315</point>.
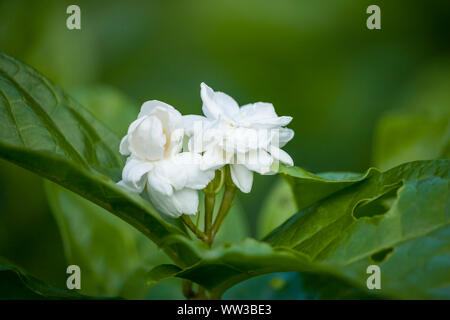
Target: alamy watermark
<point>74,280</point>
<point>374,20</point>
<point>374,280</point>
<point>74,19</point>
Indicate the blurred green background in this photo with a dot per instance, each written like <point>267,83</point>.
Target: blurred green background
<point>314,60</point>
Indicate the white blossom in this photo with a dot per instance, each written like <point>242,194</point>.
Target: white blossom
<point>248,138</point>
<point>153,145</point>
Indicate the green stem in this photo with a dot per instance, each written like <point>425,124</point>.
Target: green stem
<point>187,289</point>
<point>228,195</point>
<point>210,200</point>
<point>210,229</point>
<point>198,220</point>
<point>221,181</point>
<point>187,221</point>
<point>201,293</point>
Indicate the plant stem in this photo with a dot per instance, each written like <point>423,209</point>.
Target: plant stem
<point>187,221</point>
<point>221,181</point>
<point>210,199</point>
<point>191,294</point>
<point>187,289</point>
<point>201,294</point>
<point>211,229</point>
<point>228,195</point>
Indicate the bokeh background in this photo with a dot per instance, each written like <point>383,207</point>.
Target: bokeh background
<point>314,60</point>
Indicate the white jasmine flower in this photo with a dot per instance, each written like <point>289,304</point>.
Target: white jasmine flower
<point>153,144</point>
<point>248,138</point>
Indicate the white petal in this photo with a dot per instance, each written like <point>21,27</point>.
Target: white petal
<point>215,158</point>
<point>193,123</point>
<point>261,115</point>
<point>125,185</point>
<point>239,139</point>
<point>265,137</point>
<point>190,164</point>
<point>258,110</point>
<point>174,173</point>
<point>134,125</point>
<point>281,136</point>
<point>218,104</point>
<point>147,140</point>
<point>281,155</point>
<point>282,121</point>
<point>259,161</point>
<point>163,203</point>
<point>242,177</point>
<point>201,135</point>
<point>178,172</point>
<point>184,201</point>
<point>124,147</point>
<point>148,107</point>
<point>134,174</point>
<point>159,180</point>
<point>171,121</point>
<point>170,118</point>
<point>172,124</point>
<point>175,142</point>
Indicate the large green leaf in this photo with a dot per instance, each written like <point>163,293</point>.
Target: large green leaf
<point>398,220</point>
<point>44,130</point>
<point>308,188</point>
<point>277,208</point>
<point>85,226</point>
<point>114,257</point>
<point>15,283</point>
<point>222,267</point>
<point>296,285</point>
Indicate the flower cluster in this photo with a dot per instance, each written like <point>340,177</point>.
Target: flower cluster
<point>247,139</point>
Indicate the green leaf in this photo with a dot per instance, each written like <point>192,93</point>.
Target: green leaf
<point>114,257</point>
<point>309,188</point>
<point>42,129</point>
<point>222,267</point>
<point>105,271</point>
<point>277,208</point>
<point>295,285</point>
<point>398,220</point>
<point>18,285</point>
<point>162,272</point>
